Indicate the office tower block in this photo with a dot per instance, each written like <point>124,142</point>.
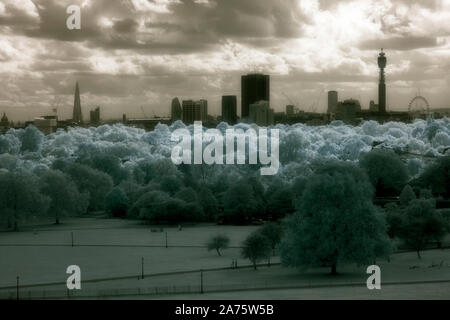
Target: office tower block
<point>254,88</point>
<point>229,109</point>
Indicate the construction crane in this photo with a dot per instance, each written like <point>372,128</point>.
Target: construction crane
<point>57,101</point>
<point>314,106</point>
<point>296,105</point>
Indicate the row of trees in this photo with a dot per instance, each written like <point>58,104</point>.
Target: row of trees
<point>24,195</point>
<point>258,246</point>
<point>157,191</point>
<point>336,221</point>
<point>416,221</point>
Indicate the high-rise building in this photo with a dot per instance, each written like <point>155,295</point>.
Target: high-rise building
<point>190,112</point>
<point>289,110</point>
<point>195,111</point>
<point>203,109</point>
<point>332,101</point>
<point>254,88</point>
<point>261,114</point>
<point>77,115</point>
<point>177,112</point>
<point>229,109</point>
<point>382,84</point>
<point>94,116</point>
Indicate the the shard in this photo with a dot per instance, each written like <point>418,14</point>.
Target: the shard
<point>77,115</point>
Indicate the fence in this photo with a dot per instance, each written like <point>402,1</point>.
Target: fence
<point>98,294</point>
<point>187,289</point>
<point>149,291</point>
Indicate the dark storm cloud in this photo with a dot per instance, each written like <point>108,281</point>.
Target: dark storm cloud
<point>251,18</point>
<point>188,25</point>
<point>127,25</point>
<point>52,16</point>
<point>16,17</point>
<point>50,23</point>
<point>399,43</point>
<point>194,27</point>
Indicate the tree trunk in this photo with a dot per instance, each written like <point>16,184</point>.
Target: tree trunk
<point>334,269</point>
<point>418,255</point>
<point>9,223</point>
<point>218,252</point>
<point>268,262</point>
<point>334,262</point>
<point>254,265</point>
<point>57,220</point>
<point>16,223</point>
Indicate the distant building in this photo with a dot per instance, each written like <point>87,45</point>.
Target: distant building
<point>229,109</point>
<point>332,101</point>
<point>46,124</point>
<point>176,111</point>
<point>195,111</point>
<point>254,88</point>
<point>148,124</point>
<point>4,122</point>
<point>261,114</point>
<point>289,110</point>
<point>190,112</point>
<point>373,107</point>
<point>203,109</point>
<point>441,113</point>
<point>94,116</point>
<point>346,110</point>
<point>77,115</point>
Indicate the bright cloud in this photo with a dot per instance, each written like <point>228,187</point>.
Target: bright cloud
<point>133,50</point>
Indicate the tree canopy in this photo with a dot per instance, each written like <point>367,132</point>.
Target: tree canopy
<point>335,221</point>
<point>256,247</point>
<point>387,173</point>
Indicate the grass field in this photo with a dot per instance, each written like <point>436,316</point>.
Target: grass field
<point>390,292</point>
<point>108,248</point>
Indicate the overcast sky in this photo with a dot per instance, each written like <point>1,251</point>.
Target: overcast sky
<point>133,53</point>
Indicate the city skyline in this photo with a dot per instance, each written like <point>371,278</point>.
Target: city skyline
<point>141,54</point>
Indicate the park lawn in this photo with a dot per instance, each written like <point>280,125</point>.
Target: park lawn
<point>110,248</point>
<point>398,271</point>
<point>89,231</point>
<point>427,291</point>
<point>47,264</point>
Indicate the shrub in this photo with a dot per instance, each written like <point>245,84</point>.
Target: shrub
<point>218,243</point>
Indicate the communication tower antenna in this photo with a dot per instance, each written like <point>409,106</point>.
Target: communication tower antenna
<point>143,112</point>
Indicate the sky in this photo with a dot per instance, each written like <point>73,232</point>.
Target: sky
<point>134,56</point>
